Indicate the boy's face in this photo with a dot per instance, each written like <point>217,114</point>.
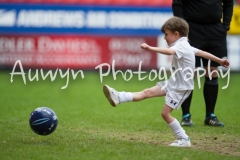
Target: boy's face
<point>170,36</point>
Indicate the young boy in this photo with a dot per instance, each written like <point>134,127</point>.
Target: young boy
<point>178,87</point>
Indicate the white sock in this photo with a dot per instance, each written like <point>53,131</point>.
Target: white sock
<point>178,131</point>
<point>126,96</point>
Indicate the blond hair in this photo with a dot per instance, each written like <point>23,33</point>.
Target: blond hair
<point>176,24</point>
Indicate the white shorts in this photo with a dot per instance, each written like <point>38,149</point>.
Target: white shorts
<point>174,98</point>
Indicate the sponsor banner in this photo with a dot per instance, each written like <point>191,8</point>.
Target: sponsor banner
<point>76,52</point>
<point>163,60</point>
<point>235,23</point>
<point>89,20</point>
<point>233,42</point>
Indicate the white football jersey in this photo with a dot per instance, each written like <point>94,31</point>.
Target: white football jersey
<point>183,65</point>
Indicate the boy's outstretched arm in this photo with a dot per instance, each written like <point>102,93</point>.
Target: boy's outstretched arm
<point>223,62</point>
<point>166,51</point>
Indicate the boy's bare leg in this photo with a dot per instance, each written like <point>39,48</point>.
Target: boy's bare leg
<point>114,97</point>
<point>148,93</point>
<point>166,114</point>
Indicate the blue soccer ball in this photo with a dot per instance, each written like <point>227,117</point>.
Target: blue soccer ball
<point>43,121</point>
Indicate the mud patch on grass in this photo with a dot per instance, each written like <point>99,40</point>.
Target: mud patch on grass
<point>221,144</point>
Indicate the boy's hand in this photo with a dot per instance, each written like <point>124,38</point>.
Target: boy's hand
<point>144,46</point>
<point>224,62</point>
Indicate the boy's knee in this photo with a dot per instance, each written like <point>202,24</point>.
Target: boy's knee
<point>147,92</point>
<point>164,115</point>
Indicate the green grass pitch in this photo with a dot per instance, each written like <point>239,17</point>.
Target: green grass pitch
<point>90,129</point>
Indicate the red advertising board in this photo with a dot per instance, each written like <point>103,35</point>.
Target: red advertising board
<point>76,52</point>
